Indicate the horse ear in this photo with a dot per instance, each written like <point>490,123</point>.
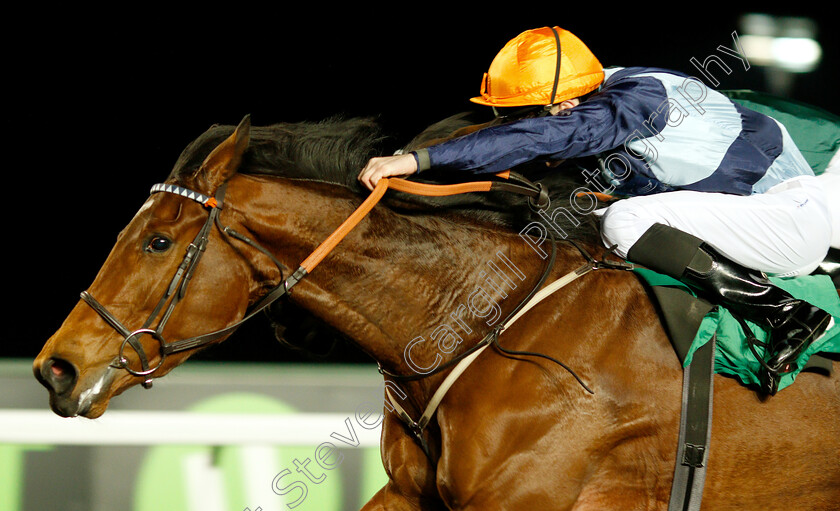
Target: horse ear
<point>223,162</point>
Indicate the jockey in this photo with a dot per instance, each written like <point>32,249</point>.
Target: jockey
<point>717,196</point>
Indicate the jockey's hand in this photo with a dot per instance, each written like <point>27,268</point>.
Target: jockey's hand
<point>387,166</point>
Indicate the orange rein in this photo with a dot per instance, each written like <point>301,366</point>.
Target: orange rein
<point>397,184</point>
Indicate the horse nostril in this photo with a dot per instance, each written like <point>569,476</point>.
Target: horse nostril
<point>59,374</point>
<point>59,369</point>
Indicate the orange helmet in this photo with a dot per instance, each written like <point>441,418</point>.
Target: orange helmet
<point>527,71</point>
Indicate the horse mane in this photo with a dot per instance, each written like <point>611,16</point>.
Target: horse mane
<point>335,150</point>
<point>327,151</point>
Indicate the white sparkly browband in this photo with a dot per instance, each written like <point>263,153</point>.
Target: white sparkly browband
<point>183,192</point>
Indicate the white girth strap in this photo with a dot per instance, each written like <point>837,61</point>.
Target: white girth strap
<point>456,372</point>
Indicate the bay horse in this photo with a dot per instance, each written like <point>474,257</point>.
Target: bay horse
<point>513,432</point>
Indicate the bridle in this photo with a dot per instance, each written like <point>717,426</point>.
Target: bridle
<point>176,290</point>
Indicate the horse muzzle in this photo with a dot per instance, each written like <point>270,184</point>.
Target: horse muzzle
<point>67,399</point>
<point>59,377</point>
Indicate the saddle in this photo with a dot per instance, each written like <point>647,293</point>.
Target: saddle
<point>691,321</point>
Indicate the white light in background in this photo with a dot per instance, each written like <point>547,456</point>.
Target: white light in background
<point>794,54</point>
<point>785,46</point>
<point>785,43</point>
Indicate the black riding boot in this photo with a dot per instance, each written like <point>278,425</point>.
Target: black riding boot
<point>794,323</point>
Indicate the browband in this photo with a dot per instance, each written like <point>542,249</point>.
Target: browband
<point>202,199</point>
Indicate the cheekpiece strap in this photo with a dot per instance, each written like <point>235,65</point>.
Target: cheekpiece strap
<point>184,192</point>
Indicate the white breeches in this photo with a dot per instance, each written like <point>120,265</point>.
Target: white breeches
<point>830,180</point>
<point>784,232</point>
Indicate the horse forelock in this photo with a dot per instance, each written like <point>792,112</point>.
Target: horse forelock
<point>335,150</point>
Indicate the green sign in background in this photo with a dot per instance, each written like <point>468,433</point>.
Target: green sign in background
<point>162,480</point>
<point>162,475</point>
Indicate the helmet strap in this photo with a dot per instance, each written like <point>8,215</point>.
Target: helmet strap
<point>556,70</point>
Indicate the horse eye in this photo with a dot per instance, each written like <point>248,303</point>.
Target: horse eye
<point>158,244</point>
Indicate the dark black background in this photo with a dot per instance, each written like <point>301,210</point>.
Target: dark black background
<point>101,104</point>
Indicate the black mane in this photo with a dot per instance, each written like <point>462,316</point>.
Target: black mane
<point>335,150</point>
<point>329,151</point>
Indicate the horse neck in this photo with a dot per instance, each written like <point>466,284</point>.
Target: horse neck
<point>433,281</point>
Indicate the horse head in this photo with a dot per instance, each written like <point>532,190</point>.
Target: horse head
<point>90,359</point>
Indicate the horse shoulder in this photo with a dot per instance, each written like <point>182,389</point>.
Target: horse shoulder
<point>605,329</point>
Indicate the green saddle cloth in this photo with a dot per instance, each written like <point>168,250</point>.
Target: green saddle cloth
<point>733,357</point>
<point>815,131</point>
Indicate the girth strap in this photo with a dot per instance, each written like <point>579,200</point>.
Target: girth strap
<point>695,431</point>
